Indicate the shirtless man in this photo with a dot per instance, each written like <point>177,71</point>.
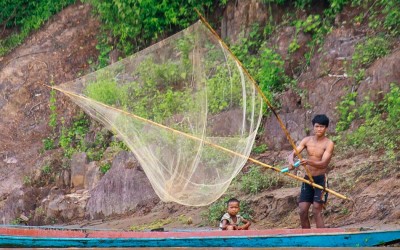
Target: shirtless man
<point>319,150</point>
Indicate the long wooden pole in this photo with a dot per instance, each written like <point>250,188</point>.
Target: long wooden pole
<point>197,139</point>
<point>259,91</point>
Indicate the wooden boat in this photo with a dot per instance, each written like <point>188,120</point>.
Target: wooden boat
<point>17,236</point>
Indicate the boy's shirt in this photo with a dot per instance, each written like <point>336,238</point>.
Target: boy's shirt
<point>227,217</point>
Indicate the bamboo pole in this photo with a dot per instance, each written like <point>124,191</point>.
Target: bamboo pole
<point>259,91</point>
<point>195,138</point>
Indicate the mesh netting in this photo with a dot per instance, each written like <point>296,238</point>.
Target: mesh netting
<point>185,108</point>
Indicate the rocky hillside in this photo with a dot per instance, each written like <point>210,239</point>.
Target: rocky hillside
<point>41,187</point>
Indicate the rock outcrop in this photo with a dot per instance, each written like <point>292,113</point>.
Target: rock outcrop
<point>124,189</point>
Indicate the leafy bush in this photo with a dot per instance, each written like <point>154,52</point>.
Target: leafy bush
<point>264,64</point>
<point>380,127</point>
<point>136,24</point>
<point>271,76</point>
<point>46,169</point>
<point>311,24</point>
<point>71,138</point>
<point>293,46</point>
<point>391,104</point>
<point>260,148</point>
<point>392,18</point>
<point>256,180</point>
<point>336,6</point>
<point>368,51</point>
<point>48,143</point>
<point>383,15</point>
<point>346,111</point>
<point>26,16</point>
<point>105,167</point>
<point>105,91</point>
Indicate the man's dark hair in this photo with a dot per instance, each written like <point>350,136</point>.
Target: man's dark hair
<point>232,200</point>
<point>320,119</point>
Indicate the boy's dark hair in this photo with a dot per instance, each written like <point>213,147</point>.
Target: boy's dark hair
<point>320,119</point>
<point>232,200</point>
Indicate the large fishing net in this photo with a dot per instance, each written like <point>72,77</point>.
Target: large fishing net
<point>186,109</point>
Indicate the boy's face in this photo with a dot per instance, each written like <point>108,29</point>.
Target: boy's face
<point>319,130</point>
<point>233,208</point>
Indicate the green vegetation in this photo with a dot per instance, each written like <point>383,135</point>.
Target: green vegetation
<point>17,221</point>
<point>264,64</point>
<point>260,149</point>
<point>346,111</point>
<point>256,180</point>
<point>379,129</point>
<point>161,222</point>
<point>48,143</point>
<point>161,91</point>
<point>335,5</point>
<point>71,138</point>
<point>153,225</point>
<point>105,167</point>
<point>24,16</point>
<point>366,52</point>
<point>46,169</point>
<point>149,96</point>
<point>271,76</point>
<point>383,15</point>
<point>27,180</point>
<point>137,24</point>
<point>48,175</point>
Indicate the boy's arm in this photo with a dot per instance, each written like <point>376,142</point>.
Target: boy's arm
<point>246,225</point>
<point>224,224</point>
<point>300,148</point>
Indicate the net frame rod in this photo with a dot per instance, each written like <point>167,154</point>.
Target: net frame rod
<point>259,91</point>
<point>199,139</point>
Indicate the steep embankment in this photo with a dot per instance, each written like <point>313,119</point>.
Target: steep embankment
<point>62,50</point>
<point>59,52</point>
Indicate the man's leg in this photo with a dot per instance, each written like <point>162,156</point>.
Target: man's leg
<point>319,201</point>
<point>304,207</point>
<point>317,211</point>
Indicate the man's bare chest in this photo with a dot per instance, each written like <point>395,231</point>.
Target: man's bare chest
<point>316,150</point>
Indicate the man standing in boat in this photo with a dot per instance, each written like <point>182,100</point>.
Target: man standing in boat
<point>319,153</point>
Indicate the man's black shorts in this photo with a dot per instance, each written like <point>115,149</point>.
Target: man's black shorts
<point>311,194</point>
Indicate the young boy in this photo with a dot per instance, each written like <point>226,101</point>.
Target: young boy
<point>232,220</point>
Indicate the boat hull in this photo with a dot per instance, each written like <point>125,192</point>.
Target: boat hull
<point>251,238</point>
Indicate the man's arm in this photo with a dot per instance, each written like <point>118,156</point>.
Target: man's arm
<point>300,148</point>
<point>326,158</point>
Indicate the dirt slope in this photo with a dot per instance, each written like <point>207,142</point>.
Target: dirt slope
<point>57,53</point>
<point>60,52</point>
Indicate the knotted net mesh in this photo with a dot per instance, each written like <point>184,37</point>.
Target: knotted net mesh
<point>186,109</point>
